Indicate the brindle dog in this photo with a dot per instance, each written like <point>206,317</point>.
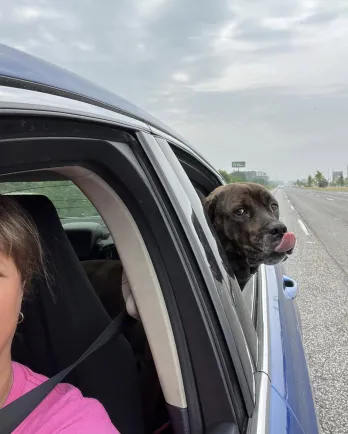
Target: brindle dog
<point>246,219</point>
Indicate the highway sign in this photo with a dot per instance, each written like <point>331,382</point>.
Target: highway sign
<point>238,163</point>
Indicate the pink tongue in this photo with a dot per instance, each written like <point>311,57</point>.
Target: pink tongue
<point>287,243</point>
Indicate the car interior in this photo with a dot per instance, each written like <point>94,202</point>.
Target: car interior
<point>66,312</point>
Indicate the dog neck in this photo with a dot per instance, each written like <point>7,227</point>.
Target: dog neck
<point>240,268</point>
<point>237,261</point>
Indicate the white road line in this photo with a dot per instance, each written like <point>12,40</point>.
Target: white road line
<point>303,227</point>
<point>292,207</point>
<point>329,198</point>
<point>317,195</point>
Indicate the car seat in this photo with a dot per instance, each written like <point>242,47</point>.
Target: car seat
<point>63,317</point>
<point>112,287</point>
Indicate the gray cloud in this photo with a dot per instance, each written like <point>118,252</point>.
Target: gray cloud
<point>264,82</point>
<point>321,17</point>
<point>251,30</point>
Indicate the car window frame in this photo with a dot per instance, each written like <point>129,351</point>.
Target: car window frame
<point>239,350</point>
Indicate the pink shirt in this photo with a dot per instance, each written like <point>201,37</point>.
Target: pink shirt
<point>63,411</point>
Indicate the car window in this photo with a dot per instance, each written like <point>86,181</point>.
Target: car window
<point>68,199</point>
<point>204,181</point>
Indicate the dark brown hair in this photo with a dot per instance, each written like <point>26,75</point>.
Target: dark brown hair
<point>20,240</point>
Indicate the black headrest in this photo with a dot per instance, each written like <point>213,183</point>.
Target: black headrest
<point>69,299</point>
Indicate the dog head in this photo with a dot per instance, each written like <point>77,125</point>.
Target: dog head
<point>246,219</point>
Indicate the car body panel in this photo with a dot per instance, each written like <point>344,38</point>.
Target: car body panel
<point>17,100</point>
<point>17,65</point>
<point>288,370</point>
<point>20,70</point>
<point>282,419</point>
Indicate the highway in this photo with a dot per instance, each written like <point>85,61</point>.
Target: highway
<point>320,266</point>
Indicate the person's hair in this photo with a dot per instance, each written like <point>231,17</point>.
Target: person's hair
<point>20,240</point>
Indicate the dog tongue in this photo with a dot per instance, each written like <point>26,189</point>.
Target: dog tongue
<point>287,243</point>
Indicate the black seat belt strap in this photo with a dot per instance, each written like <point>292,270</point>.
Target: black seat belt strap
<point>15,413</point>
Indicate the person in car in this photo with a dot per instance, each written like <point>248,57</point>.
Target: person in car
<point>64,410</point>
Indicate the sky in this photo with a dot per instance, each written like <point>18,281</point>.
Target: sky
<point>261,81</point>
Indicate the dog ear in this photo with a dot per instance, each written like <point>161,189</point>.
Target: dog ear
<point>209,204</point>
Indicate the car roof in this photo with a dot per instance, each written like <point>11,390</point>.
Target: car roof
<point>24,71</point>
<point>18,69</point>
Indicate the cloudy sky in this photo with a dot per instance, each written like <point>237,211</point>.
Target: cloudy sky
<point>265,81</point>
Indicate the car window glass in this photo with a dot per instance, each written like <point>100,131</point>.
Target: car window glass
<point>68,199</point>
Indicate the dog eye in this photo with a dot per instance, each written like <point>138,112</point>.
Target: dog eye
<point>274,207</point>
<point>239,211</point>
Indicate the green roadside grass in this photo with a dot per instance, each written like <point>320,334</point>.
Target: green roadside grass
<point>327,188</point>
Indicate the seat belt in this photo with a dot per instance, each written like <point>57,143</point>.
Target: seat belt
<point>15,413</point>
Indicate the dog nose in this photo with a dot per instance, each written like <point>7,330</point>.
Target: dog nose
<point>277,228</point>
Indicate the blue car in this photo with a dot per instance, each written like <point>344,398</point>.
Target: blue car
<point>125,193</point>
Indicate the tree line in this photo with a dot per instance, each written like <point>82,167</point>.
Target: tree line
<point>319,180</point>
<point>66,197</point>
<point>237,176</point>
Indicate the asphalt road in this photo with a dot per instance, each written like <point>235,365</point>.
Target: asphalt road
<point>320,266</point>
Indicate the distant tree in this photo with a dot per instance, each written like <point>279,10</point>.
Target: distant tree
<point>237,176</point>
<point>320,179</point>
<point>67,198</point>
<point>340,181</point>
<point>310,181</point>
<point>225,175</point>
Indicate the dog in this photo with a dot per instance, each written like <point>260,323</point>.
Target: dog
<point>246,220</point>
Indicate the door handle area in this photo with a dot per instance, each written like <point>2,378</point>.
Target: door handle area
<point>290,287</point>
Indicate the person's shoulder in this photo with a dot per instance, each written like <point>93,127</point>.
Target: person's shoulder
<point>84,415</point>
<point>76,414</point>
<point>65,410</point>
<point>31,380</point>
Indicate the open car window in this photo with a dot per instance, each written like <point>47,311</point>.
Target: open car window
<point>205,180</point>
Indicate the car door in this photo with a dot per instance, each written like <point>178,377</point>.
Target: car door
<point>282,393</point>
<point>226,296</point>
<point>291,402</point>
